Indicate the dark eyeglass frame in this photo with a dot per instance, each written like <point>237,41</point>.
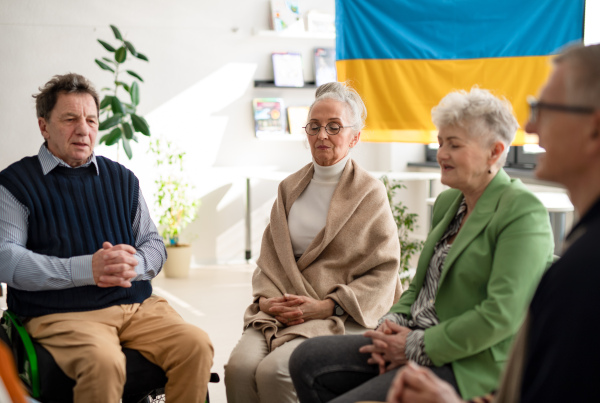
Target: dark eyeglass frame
<point>535,106</point>
<point>327,128</point>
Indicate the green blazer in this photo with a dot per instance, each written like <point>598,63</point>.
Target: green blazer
<point>487,281</point>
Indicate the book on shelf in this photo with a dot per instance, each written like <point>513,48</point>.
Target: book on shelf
<point>297,117</point>
<point>325,71</point>
<point>285,16</point>
<point>318,21</point>
<point>268,116</point>
<point>287,70</point>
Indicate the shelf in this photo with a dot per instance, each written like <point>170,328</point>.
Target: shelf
<point>271,84</point>
<point>295,34</point>
<point>280,137</point>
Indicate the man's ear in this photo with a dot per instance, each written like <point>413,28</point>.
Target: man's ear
<point>43,127</point>
<point>496,151</point>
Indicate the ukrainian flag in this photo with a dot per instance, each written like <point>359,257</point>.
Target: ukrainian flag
<point>403,56</point>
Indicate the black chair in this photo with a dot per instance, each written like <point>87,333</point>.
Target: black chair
<point>46,382</point>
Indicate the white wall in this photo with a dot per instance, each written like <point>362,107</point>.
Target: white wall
<point>198,91</point>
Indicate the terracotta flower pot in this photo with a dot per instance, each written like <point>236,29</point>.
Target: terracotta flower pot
<point>178,261</point>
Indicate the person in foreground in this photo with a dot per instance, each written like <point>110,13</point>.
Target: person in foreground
<point>489,244</point>
<point>329,257</point>
<point>78,251</point>
<point>556,354</point>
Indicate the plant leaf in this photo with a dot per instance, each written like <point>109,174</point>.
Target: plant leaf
<point>140,125</point>
<point>126,147</point>
<point>106,59</point>
<point>117,106</point>
<point>135,93</point>
<point>116,32</point>
<point>106,101</point>
<point>106,45</point>
<point>122,84</point>
<point>136,75</point>
<point>131,48</point>
<point>121,54</point>
<point>103,65</point>
<point>127,130</point>
<point>129,109</point>
<point>112,137</point>
<point>141,56</point>
<point>110,122</point>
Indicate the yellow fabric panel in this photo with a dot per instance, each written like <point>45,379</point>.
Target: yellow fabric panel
<point>399,94</point>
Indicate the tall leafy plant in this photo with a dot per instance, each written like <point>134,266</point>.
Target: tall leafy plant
<point>405,221</point>
<point>175,204</point>
<point>118,117</point>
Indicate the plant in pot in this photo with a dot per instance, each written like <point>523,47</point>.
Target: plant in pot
<point>176,205</point>
<point>406,223</point>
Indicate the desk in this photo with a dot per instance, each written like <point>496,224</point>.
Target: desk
<point>280,175</point>
<point>558,205</point>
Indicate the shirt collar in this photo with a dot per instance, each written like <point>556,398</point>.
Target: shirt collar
<point>49,161</point>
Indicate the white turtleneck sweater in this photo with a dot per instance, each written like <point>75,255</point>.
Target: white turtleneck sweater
<point>309,212</point>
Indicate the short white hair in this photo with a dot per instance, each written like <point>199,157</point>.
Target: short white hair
<point>481,114</point>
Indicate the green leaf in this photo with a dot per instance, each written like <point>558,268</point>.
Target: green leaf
<point>110,122</point>
<point>106,45</point>
<point>112,137</point>
<point>106,59</point>
<point>121,54</point>
<point>127,130</point>
<point>122,84</point>
<point>117,106</point>
<point>103,66</point>
<point>126,147</point>
<point>116,32</point>
<point>129,109</point>
<point>136,75</point>
<point>131,48</point>
<point>106,101</point>
<point>140,125</point>
<point>135,93</point>
<point>135,138</point>
<point>141,56</point>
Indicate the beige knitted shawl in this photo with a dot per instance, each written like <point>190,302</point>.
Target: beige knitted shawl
<point>352,260</point>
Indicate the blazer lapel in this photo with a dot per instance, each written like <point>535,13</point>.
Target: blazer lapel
<point>478,220</point>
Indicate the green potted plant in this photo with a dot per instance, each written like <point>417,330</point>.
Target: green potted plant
<point>176,205</point>
<point>117,114</point>
<point>406,223</point>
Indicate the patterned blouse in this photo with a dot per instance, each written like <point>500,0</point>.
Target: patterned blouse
<point>422,311</point>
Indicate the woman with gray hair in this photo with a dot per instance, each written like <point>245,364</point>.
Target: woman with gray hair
<point>329,257</point>
<point>489,244</point>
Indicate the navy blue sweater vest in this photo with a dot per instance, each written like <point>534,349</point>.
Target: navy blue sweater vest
<point>71,213</point>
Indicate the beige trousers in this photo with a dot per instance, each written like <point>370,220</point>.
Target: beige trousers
<point>87,347</point>
<point>253,375</point>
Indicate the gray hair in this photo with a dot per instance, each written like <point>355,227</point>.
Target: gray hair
<point>69,83</point>
<point>583,77</point>
<point>481,114</point>
<point>343,92</point>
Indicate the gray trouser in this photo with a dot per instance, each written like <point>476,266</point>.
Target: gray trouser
<point>331,369</point>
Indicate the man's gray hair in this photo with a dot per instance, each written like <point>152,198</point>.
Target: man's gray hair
<point>583,75</point>
<point>481,114</point>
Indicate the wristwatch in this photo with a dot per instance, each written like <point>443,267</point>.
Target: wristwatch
<point>338,310</point>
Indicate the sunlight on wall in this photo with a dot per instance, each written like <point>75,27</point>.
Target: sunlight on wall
<point>592,28</point>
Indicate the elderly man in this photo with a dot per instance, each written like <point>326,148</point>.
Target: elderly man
<point>78,250</point>
<point>557,354</point>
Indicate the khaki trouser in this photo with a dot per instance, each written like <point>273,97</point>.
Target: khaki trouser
<point>254,375</point>
<point>87,347</point>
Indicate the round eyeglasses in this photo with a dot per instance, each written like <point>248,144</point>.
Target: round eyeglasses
<point>332,128</point>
